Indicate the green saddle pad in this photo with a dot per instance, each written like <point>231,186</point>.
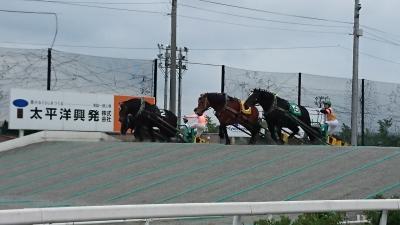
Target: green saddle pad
<point>294,109</point>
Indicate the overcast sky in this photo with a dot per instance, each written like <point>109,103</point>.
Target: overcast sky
<point>259,35</point>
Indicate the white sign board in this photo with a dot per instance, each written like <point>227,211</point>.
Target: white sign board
<point>234,132</point>
<point>50,110</point>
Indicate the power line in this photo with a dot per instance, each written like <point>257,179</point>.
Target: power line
<point>275,13</point>
<point>382,41</point>
<point>192,49</point>
<point>262,27</point>
<point>42,13</point>
<point>263,48</point>
<point>99,7</point>
<point>260,19</point>
<point>373,56</point>
<point>80,46</point>
<point>378,30</point>
<point>106,3</point>
<point>204,64</point>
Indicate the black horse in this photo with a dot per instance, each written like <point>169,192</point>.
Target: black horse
<point>140,116</point>
<point>280,113</point>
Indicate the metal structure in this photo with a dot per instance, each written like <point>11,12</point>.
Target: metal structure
<point>235,209</point>
<point>165,57</point>
<point>164,65</point>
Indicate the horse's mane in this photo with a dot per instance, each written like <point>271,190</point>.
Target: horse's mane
<point>222,96</point>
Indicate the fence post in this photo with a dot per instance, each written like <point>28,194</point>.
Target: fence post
<point>48,68</point>
<point>383,220</point>
<point>362,111</point>
<point>223,79</point>
<point>236,220</point>
<point>299,90</point>
<point>155,80</point>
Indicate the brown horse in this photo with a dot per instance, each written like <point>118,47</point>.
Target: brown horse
<point>230,111</point>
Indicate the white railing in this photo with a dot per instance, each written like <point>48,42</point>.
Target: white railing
<point>236,209</point>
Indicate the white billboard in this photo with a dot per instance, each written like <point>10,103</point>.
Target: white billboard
<point>51,110</point>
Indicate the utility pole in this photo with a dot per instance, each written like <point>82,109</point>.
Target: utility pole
<point>354,98</point>
<point>166,57</point>
<point>182,58</point>
<point>172,90</point>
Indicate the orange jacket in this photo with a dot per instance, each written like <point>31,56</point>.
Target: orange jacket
<point>202,120</point>
<point>330,115</point>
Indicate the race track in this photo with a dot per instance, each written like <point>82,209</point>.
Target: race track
<point>104,173</point>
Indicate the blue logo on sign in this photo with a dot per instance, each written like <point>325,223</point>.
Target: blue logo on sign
<point>20,102</point>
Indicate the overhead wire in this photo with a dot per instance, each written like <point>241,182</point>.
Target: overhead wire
<point>275,13</point>
<point>263,48</point>
<point>42,13</point>
<point>260,19</point>
<point>107,3</point>
<point>261,27</point>
<point>373,56</point>
<point>99,7</point>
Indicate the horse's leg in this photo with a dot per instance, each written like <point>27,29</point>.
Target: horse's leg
<point>138,132</point>
<point>151,132</point>
<point>254,134</point>
<point>271,128</point>
<point>280,135</point>
<point>227,140</point>
<point>221,133</point>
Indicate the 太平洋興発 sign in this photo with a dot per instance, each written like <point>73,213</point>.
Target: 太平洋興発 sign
<point>53,110</point>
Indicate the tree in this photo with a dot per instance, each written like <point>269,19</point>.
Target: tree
<point>345,133</point>
<point>284,220</point>
<point>306,219</point>
<point>211,126</point>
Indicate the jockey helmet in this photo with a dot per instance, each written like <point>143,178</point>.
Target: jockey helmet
<point>185,120</point>
<point>328,103</point>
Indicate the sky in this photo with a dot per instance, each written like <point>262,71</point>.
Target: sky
<point>308,36</point>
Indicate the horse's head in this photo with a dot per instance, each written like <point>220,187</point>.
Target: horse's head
<point>253,98</point>
<point>266,99</point>
<point>123,117</point>
<point>202,104</point>
<point>126,117</point>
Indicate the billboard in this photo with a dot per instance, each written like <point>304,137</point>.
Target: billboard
<point>53,110</point>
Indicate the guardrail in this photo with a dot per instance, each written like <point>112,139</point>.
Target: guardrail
<point>236,209</point>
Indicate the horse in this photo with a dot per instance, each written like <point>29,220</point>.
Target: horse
<point>279,113</point>
<point>139,115</point>
<point>229,111</point>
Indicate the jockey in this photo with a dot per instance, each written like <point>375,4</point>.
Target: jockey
<point>330,117</point>
<point>200,125</point>
<point>185,123</point>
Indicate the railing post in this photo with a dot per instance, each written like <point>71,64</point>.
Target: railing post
<point>236,220</point>
<point>384,216</point>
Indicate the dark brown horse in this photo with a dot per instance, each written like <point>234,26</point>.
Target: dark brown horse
<point>229,111</point>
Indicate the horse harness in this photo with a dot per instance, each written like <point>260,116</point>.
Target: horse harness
<point>230,109</point>
<point>273,106</point>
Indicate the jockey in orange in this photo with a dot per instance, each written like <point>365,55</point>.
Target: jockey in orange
<point>330,117</point>
<point>200,125</point>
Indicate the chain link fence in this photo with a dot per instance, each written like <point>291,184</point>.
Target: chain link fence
<point>381,100</point>
<point>27,68</point>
